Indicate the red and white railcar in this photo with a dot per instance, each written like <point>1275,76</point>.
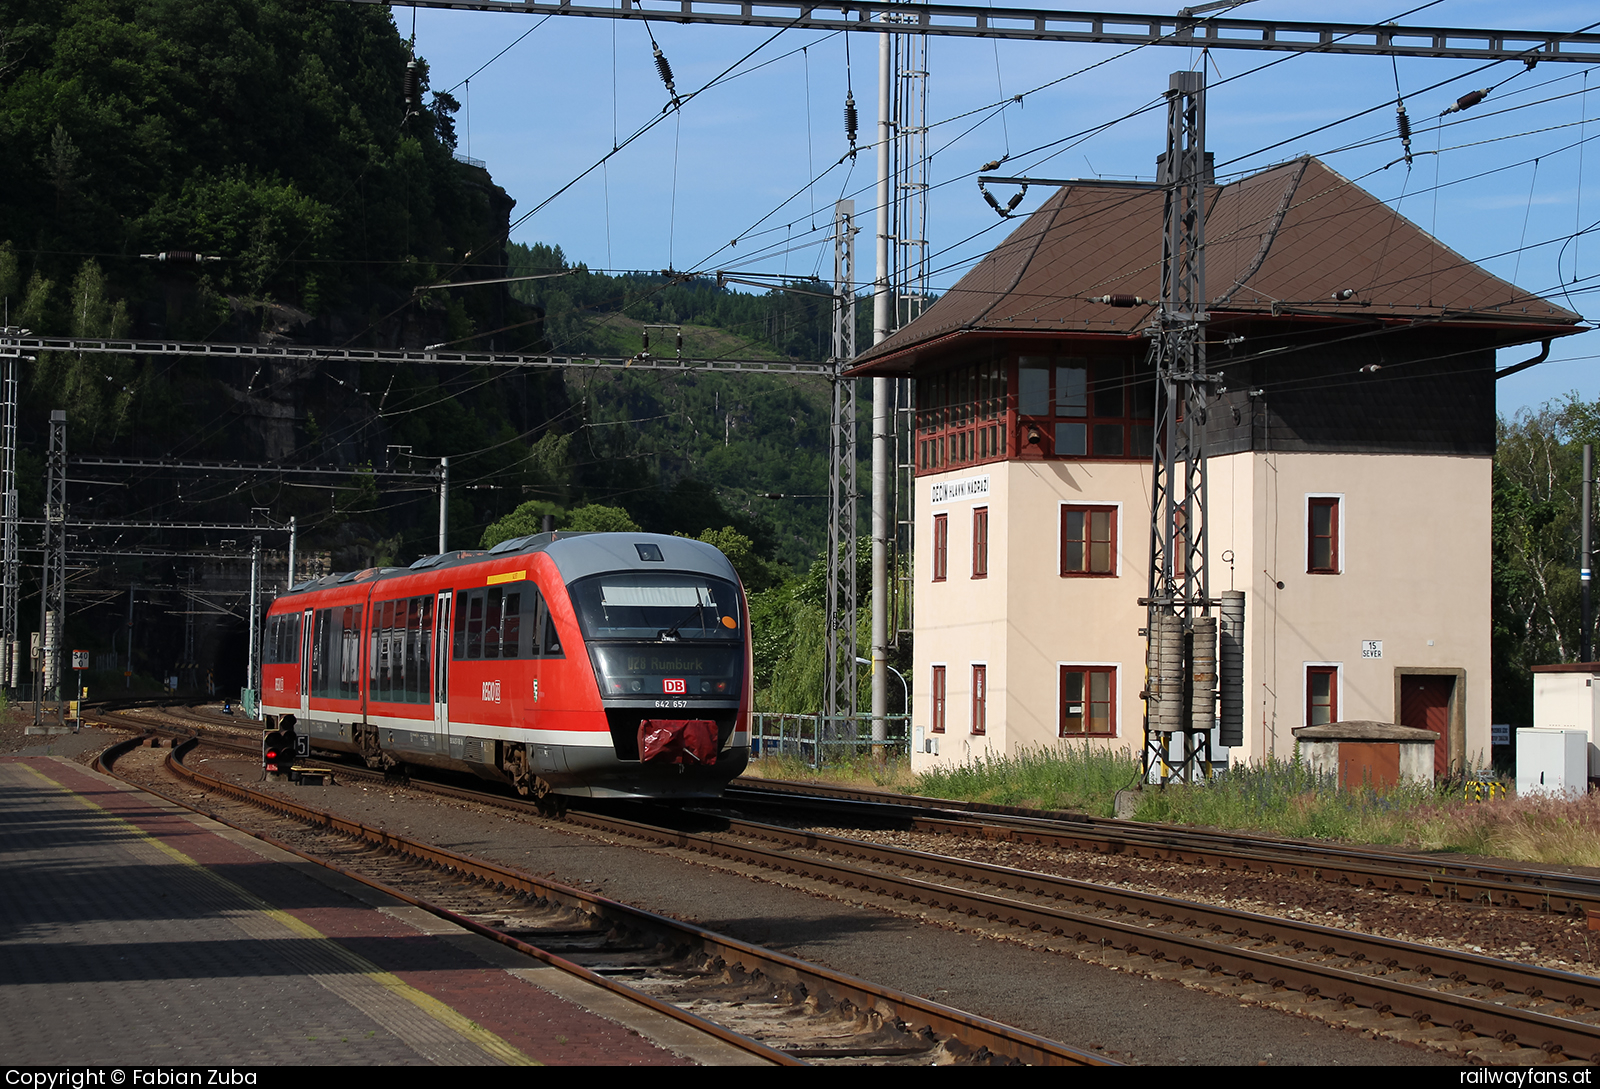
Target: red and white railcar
<point>588,664</point>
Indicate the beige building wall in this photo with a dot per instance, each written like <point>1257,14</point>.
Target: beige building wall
<point>1415,555</point>
<point>1414,558</point>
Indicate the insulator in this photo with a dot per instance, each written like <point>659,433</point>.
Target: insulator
<point>988,196</point>
<point>1203,673</point>
<point>1469,100</point>
<point>666,71</point>
<point>1164,669</point>
<point>411,83</point>
<point>1011,204</point>
<point>1347,293</point>
<point>1405,129</point>
<point>1120,300</point>
<point>850,119</point>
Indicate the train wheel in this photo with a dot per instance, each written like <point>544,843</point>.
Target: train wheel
<point>515,764</point>
<point>549,802</point>
<point>367,741</point>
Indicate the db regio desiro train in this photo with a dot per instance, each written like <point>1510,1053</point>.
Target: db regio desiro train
<point>578,664</point>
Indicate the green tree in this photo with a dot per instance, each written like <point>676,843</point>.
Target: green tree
<point>597,518</point>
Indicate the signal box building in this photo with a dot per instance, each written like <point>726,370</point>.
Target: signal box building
<point>1350,468</point>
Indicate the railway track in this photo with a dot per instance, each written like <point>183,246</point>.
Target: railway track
<point>1437,877</point>
<point>810,1013</point>
<point>1492,1008</point>
<point>1482,1005</point>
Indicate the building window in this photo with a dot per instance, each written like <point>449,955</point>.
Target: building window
<point>1088,701</point>
<point>980,543</point>
<point>1088,540</point>
<point>941,547</point>
<point>938,714</point>
<point>961,416</point>
<point>980,698</point>
<point>1072,407</point>
<point>1322,695</point>
<point>1322,534</point>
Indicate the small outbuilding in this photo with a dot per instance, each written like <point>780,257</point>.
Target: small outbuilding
<point>1365,753</point>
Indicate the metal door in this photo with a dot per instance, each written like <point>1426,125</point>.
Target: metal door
<point>307,637</point>
<point>441,666</point>
<point>1425,701</point>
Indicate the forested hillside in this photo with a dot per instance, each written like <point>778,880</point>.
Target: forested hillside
<point>276,139</point>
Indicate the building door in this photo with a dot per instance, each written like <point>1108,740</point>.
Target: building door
<point>1425,704</point>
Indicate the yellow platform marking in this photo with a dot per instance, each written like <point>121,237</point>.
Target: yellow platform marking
<point>329,953</point>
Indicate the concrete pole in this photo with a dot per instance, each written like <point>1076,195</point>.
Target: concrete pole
<point>255,621</point>
<point>882,317</point>
<point>444,503</point>
<point>1584,572</point>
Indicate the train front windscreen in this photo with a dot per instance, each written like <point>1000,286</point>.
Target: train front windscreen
<point>662,636</point>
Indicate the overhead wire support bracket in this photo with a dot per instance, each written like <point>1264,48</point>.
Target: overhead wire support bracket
<point>329,354</point>
<point>1093,27</point>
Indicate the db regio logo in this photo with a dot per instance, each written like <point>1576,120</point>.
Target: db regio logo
<point>491,691</point>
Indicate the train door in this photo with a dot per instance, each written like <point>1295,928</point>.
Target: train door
<point>307,630</point>
<point>441,665</point>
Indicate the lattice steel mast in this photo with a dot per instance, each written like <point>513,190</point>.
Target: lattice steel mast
<point>839,681</point>
<point>1182,634</point>
<point>11,576</point>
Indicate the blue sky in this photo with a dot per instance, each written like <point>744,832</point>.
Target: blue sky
<point>756,156</point>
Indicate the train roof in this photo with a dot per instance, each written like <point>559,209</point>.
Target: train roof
<point>575,554</point>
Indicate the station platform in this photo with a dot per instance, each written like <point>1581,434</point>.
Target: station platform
<point>135,933</point>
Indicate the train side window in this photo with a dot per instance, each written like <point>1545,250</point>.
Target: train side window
<point>549,640</point>
<point>419,630</point>
<point>493,608</point>
<point>460,650</point>
<point>320,672</point>
<point>475,624</point>
<point>350,651</point>
<point>511,640</point>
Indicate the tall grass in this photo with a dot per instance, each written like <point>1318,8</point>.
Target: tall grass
<point>1059,777</point>
<point>1285,797</point>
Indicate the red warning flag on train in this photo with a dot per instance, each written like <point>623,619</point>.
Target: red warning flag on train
<point>678,741</point>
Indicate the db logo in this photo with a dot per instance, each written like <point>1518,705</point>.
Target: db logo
<point>491,691</point>
<point>674,686</point>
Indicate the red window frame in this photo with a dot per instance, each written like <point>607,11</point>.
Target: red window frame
<point>938,704</point>
<point>1088,697</point>
<point>980,699</point>
<point>1326,702</point>
<point>1094,549</point>
<point>980,542</point>
<point>1322,535</point>
<point>941,547</point>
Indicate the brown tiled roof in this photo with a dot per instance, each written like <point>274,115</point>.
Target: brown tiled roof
<point>1278,244</point>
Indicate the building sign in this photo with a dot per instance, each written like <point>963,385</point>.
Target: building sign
<point>1372,648</point>
<point>1500,733</point>
<point>949,491</point>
